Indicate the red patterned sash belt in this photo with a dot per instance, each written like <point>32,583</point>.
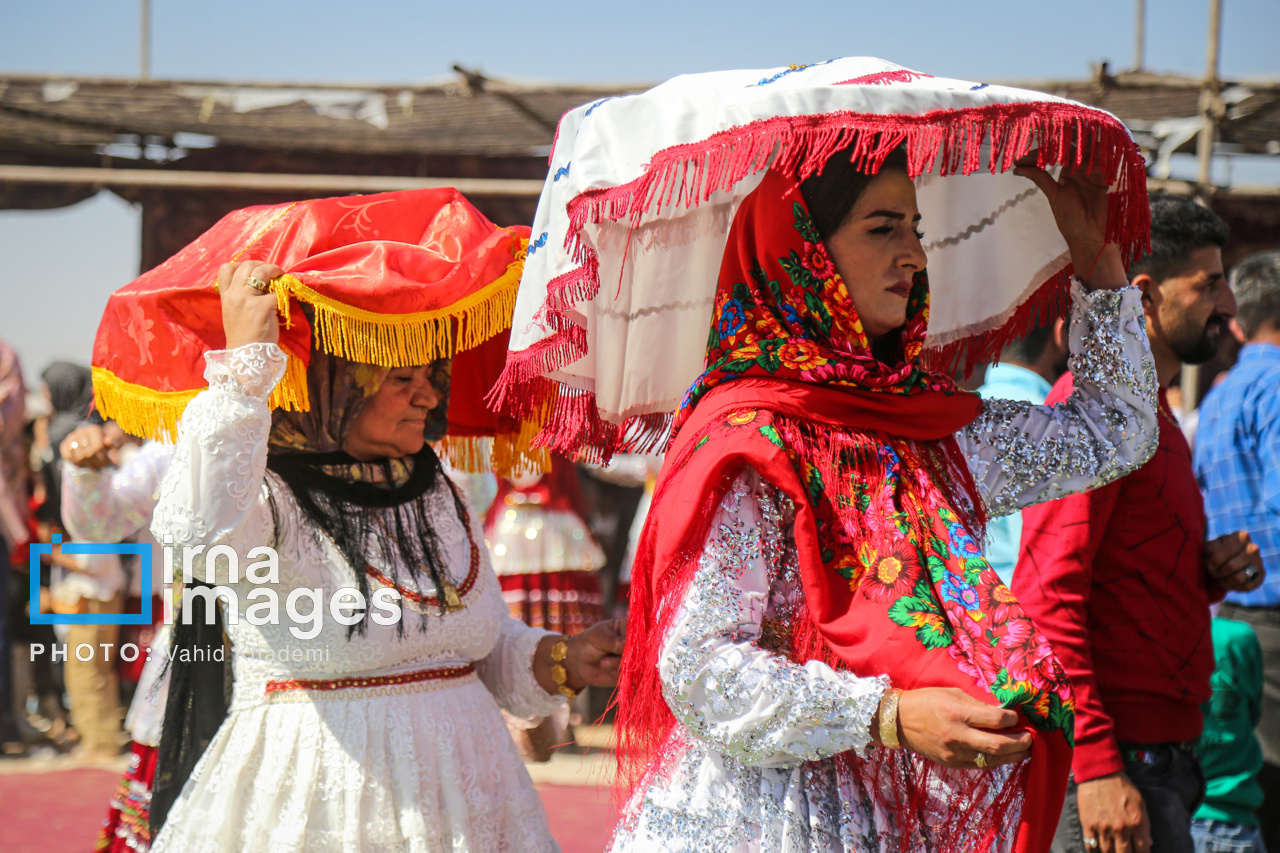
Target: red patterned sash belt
<point>371,682</point>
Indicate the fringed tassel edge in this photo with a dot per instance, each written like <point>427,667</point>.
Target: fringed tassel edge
<point>138,410</point>
<point>506,455</point>
<point>154,415</point>
<point>1050,301</point>
<point>400,340</point>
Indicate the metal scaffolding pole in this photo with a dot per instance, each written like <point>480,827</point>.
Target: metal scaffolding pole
<point>144,39</point>
<point>1210,108</point>
<point>1139,35</point>
<point>1210,111</point>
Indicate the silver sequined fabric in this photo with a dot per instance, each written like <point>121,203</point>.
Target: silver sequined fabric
<point>1023,454</point>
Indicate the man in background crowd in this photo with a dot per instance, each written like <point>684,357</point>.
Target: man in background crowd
<point>1027,370</point>
<point>1237,463</point>
<point>1120,579</point>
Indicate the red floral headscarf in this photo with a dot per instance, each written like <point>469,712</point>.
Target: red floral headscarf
<point>782,310</point>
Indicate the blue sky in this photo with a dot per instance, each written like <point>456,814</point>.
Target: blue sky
<point>59,266</point>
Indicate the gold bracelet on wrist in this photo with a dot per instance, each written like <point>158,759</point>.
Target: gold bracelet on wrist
<point>559,674</point>
<point>889,719</point>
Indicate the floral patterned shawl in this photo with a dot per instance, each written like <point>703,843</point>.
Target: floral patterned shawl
<point>886,531</point>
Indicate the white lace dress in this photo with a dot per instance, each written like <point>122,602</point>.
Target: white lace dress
<point>756,728</point>
<point>415,765</point>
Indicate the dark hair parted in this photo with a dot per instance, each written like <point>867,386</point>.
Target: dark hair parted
<point>1179,226</point>
<point>1255,281</point>
<point>831,194</point>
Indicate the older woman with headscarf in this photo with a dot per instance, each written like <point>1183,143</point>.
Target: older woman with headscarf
<point>382,735</point>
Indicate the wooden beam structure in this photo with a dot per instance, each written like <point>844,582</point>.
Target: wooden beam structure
<point>266,182</point>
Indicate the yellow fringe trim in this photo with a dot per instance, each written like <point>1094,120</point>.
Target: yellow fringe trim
<point>405,340</point>
<point>506,455</point>
<point>152,414</point>
<point>137,409</point>
<point>291,392</point>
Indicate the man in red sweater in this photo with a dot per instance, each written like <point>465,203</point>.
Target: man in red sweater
<point>1120,579</point>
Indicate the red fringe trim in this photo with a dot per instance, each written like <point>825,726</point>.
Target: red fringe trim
<point>1050,301</point>
<point>1060,134</point>
<point>884,78</point>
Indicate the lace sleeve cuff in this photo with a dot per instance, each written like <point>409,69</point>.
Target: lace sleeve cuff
<point>508,672</point>
<point>252,370</point>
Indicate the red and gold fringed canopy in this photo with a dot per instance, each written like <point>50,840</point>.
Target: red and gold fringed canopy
<point>392,279</point>
<point>611,324</point>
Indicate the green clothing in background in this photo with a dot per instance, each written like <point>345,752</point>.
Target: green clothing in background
<point>1229,751</point>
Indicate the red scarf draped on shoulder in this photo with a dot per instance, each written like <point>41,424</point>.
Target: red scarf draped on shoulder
<point>887,526</point>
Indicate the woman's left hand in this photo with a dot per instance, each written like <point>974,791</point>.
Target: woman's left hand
<point>596,654</point>
<point>592,659</point>
<point>1080,204</point>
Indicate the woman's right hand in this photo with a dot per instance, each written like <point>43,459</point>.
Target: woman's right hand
<point>947,725</point>
<point>248,313</point>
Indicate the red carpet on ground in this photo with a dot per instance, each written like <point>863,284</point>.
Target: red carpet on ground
<point>60,811</point>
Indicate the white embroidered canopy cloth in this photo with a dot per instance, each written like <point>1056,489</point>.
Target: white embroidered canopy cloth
<point>613,312</point>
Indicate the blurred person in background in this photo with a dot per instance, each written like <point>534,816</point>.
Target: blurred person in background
<point>69,390</point>
<point>110,498</point>
<point>13,525</point>
<point>650,466</point>
<point>38,680</point>
<point>86,584</point>
<point>1120,578</point>
<point>1237,463</point>
<point>1027,369</point>
<point>1228,749</point>
<point>547,562</point>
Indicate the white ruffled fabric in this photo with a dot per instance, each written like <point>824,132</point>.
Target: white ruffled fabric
<point>425,767</point>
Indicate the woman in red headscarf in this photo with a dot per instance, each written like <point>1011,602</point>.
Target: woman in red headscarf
<point>819,658</point>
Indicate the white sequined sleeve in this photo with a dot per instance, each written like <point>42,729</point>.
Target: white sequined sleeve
<point>214,492</point>
<point>112,504</point>
<point>719,676</point>
<point>1023,454</point>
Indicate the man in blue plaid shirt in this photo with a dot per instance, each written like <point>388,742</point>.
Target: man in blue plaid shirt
<point>1237,462</point>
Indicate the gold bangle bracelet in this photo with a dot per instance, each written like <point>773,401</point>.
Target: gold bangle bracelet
<point>559,674</point>
<point>889,719</point>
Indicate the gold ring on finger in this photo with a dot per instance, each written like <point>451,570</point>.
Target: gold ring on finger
<point>257,284</point>
<point>981,761</point>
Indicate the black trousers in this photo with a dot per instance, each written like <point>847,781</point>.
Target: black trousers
<point>1266,624</point>
<point>1172,787</point>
